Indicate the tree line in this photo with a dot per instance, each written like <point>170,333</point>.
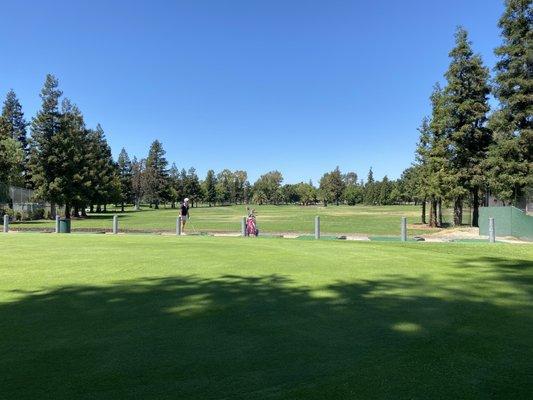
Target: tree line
<point>69,164</point>
<point>465,151</point>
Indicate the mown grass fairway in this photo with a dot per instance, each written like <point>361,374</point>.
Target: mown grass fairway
<point>93,316</point>
<point>376,220</point>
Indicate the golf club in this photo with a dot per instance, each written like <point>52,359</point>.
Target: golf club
<point>192,226</point>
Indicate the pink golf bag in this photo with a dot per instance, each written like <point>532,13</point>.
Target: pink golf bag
<point>251,227</point>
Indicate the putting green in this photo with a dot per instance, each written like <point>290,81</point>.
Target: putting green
<point>152,317</point>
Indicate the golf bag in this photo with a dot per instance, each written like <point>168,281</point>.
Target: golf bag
<point>251,226</point>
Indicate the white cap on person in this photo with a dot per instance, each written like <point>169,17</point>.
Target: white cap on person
<point>186,200</point>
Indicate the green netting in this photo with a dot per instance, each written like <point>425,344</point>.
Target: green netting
<point>312,237</point>
<point>389,239</point>
<point>508,221</point>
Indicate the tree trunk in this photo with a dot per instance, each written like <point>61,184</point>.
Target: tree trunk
<point>458,212</point>
<point>105,207</point>
<point>98,208</point>
<point>67,210</point>
<point>439,213</point>
<point>433,213</point>
<point>76,210</point>
<point>475,210</point>
<point>122,206</point>
<point>53,210</point>
<point>91,208</point>
<point>83,212</point>
<point>423,216</point>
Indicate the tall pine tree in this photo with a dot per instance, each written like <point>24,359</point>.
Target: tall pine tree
<point>156,174</point>
<point>43,163</point>
<point>125,176</point>
<point>137,181</point>
<point>466,102</point>
<point>433,155</point>
<point>210,187</point>
<point>510,160</point>
<point>13,144</point>
<point>105,186</point>
<point>12,123</point>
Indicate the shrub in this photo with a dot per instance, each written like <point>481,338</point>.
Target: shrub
<point>37,214</point>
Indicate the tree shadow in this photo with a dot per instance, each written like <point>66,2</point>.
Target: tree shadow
<point>256,337</point>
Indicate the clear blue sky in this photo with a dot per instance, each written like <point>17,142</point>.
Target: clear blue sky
<point>298,86</point>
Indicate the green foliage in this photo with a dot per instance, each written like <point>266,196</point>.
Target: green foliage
<point>510,159</point>
<point>125,175</point>
<point>332,186</point>
<point>192,187</point>
<point>11,159</point>
<point>224,186</point>
<point>209,185</point>
<point>307,193</point>
<point>155,175</point>
<point>105,181</point>
<point>267,188</point>
<point>354,194</point>
<point>466,107</point>
<point>137,180</point>
<point>12,122</point>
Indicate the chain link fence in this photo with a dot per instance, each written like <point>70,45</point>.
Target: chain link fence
<point>21,202</point>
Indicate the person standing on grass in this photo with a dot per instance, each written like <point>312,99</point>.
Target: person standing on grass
<point>184,212</point>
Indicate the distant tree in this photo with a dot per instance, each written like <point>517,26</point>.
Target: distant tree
<point>224,186</point>
<point>125,175</point>
<point>332,186</point>
<point>104,177</point>
<point>13,125</point>
<point>193,189</point>
<point>385,188</point>
<point>350,179</point>
<point>175,185</point>
<point>267,188</point>
<point>240,178</point>
<point>289,194</point>
<point>247,191</point>
<point>137,181</point>
<point>510,158</point>
<point>307,193</point>
<point>411,186</point>
<point>370,176</point>
<point>210,188</point>
<point>395,192</point>
<point>11,158</point>
<point>353,194</point>
<point>156,174</point>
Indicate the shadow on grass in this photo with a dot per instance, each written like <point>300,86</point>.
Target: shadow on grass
<point>256,337</point>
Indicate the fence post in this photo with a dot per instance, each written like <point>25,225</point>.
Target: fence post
<point>243,226</point>
<point>57,223</point>
<point>492,231</point>
<point>115,224</point>
<point>404,229</point>
<point>178,226</point>
<point>317,227</point>
<point>6,223</point>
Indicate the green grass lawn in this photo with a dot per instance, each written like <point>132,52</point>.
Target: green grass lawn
<point>154,317</point>
<point>377,220</point>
